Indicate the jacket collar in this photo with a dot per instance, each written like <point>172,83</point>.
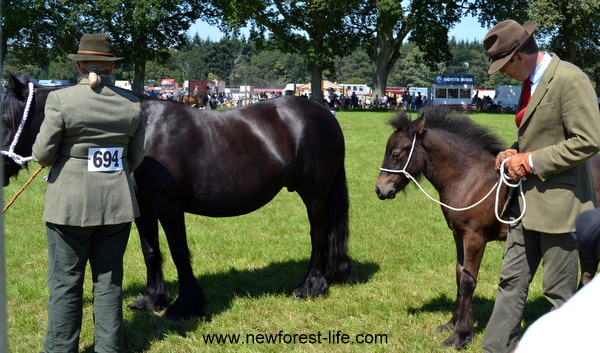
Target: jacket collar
<point>541,88</point>
<point>106,81</point>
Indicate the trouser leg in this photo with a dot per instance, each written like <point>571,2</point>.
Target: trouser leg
<point>522,256</point>
<point>106,261</point>
<point>67,258</point>
<point>561,267</point>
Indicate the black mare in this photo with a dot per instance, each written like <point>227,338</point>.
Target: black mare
<point>222,164</point>
<point>458,157</point>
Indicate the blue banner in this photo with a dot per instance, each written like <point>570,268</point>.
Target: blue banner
<point>453,79</point>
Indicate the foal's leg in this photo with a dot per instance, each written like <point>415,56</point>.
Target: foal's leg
<point>315,283</point>
<point>191,301</point>
<point>459,269</point>
<point>156,296</point>
<point>474,247</point>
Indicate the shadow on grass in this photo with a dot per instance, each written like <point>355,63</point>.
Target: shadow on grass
<point>221,289</point>
<point>482,310</point>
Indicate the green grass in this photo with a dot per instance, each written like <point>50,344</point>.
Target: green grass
<point>402,283</point>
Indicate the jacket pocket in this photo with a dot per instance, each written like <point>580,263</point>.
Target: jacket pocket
<point>545,107</point>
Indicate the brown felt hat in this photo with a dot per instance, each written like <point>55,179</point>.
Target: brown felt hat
<point>504,40</point>
<point>94,47</point>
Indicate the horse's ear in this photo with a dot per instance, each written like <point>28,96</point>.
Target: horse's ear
<point>400,121</point>
<point>418,126</point>
<point>19,85</point>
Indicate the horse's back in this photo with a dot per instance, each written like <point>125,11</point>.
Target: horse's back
<point>230,162</point>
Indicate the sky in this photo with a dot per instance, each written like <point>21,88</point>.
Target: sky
<point>468,30</point>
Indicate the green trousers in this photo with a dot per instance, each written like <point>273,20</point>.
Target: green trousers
<point>522,255</point>
<point>69,250</point>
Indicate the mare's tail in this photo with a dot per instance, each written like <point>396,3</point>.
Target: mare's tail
<point>338,206</point>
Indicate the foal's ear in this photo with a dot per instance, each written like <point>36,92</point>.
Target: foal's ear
<point>418,126</point>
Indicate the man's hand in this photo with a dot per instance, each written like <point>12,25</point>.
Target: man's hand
<point>518,166</point>
<point>503,155</point>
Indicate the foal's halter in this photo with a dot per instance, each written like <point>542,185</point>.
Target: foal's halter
<point>503,179</point>
<point>11,151</point>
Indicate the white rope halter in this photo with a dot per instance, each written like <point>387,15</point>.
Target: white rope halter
<point>11,151</point>
<point>503,179</point>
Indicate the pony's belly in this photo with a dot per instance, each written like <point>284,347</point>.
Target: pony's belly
<point>228,205</point>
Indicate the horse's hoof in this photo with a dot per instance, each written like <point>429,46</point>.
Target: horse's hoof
<point>147,303</point>
<point>311,287</point>
<point>446,327</point>
<point>459,341</point>
<point>182,311</point>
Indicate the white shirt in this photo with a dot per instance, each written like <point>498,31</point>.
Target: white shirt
<point>537,74</point>
<point>535,78</point>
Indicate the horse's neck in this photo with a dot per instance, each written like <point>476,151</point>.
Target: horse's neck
<point>445,158</point>
<point>455,168</point>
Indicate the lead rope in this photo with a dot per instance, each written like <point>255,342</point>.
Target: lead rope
<point>503,179</point>
<point>11,151</point>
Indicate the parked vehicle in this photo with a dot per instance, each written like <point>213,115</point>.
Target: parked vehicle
<point>168,85</point>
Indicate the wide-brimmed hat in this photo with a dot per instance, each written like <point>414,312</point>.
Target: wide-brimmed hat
<point>94,47</point>
<point>504,40</point>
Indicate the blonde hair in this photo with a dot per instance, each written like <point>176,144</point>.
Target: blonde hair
<point>94,69</point>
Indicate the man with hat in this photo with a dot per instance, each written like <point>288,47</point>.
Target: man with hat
<point>557,130</point>
<point>92,137</point>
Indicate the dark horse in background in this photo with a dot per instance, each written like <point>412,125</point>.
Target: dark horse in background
<point>221,164</point>
<point>458,157</point>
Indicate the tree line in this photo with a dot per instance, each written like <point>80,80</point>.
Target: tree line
<point>385,42</point>
<point>238,62</point>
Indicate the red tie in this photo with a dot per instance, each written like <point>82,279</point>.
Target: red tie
<point>525,97</point>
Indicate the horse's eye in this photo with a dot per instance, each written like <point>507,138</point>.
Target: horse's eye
<point>396,154</point>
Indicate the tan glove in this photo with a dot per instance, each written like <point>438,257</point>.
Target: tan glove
<point>518,166</point>
<point>503,155</point>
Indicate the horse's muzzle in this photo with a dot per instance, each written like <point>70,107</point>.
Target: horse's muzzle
<point>388,193</point>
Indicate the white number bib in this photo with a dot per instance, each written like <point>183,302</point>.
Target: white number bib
<point>105,159</point>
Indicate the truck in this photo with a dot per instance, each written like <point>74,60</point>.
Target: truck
<point>508,96</point>
<point>190,85</point>
<point>215,86</point>
<point>125,84</point>
<point>169,85</point>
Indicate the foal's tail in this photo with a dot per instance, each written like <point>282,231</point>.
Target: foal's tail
<point>338,205</point>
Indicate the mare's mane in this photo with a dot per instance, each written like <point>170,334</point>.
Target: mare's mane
<point>12,105</point>
<point>16,98</point>
<point>459,125</point>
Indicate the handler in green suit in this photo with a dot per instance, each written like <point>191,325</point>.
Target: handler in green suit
<point>558,130</point>
<point>93,138</point>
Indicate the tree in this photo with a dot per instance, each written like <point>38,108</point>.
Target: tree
<point>471,58</point>
<point>143,30</point>
<point>354,68</point>
<point>140,30</point>
<point>573,31</point>
<point>30,33</point>
<point>388,23</point>
<point>318,30</point>
<point>411,70</point>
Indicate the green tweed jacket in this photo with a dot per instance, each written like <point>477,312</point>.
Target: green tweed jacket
<point>77,120</point>
<point>561,129</point>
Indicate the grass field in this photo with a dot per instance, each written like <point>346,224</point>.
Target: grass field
<point>401,288</point>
